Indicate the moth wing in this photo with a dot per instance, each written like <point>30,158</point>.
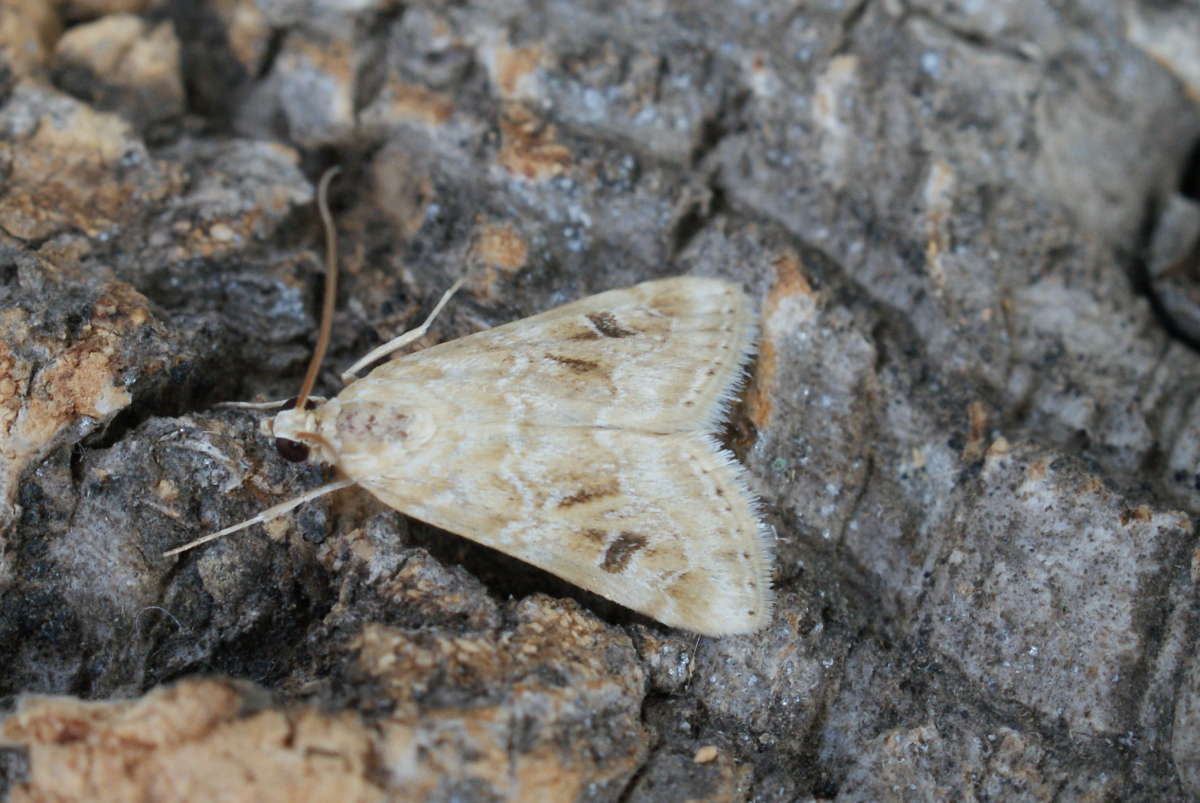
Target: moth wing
<point>663,356</point>
<point>577,440</point>
<point>660,523</point>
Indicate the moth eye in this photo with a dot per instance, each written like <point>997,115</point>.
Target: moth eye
<point>290,404</point>
<point>293,451</point>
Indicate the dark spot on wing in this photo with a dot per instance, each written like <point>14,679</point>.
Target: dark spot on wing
<point>592,534</point>
<point>575,364</point>
<point>620,551</point>
<point>606,324</point>
<point>588,494</point>
<point>585,334</point>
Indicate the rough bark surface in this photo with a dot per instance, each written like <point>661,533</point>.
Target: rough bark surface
<point>974,420</point>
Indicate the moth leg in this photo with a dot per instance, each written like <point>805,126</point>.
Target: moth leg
<point>266,515</point>
<point>401,341</point>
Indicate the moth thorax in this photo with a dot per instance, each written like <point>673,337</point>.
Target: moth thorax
<point>364,422</point>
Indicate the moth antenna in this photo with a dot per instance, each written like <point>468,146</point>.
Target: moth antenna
<point>265,516</point>
<point>266,405</point>
<point>160,609</point>
<point>314,365</point>
<point>692,661</point>
<point>402,340</point>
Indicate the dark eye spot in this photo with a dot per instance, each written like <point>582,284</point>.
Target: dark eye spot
<point>290,450</point>
<point>309,404</point>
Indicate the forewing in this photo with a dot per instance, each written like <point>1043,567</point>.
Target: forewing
<point>663,356</point>
<point>577,440</point>
<point>660,523</point>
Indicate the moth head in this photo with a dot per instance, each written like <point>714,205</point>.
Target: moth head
<point>297,433</point>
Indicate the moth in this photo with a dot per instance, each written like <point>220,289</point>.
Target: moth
<point>578,440</point>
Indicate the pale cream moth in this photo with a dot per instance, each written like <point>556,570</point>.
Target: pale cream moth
<point>579,440</point>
